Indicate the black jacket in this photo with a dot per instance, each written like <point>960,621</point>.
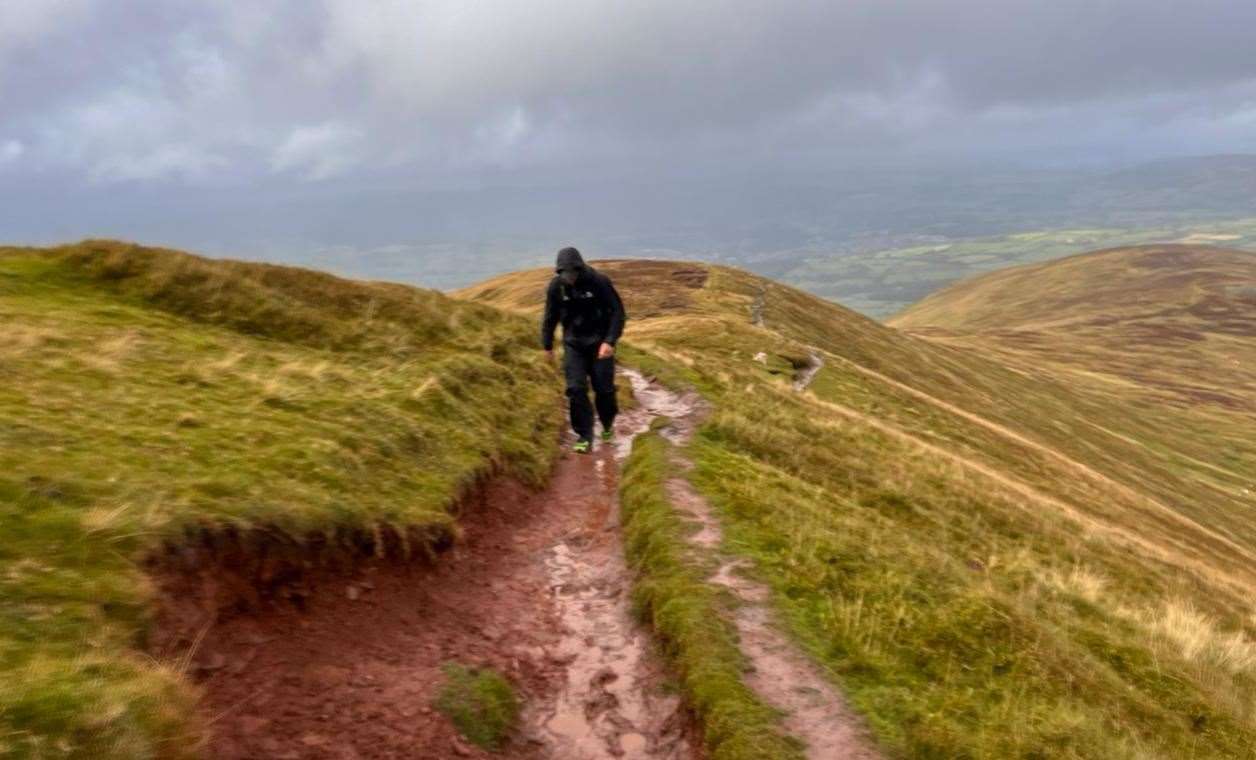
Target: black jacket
<point>590,311</point>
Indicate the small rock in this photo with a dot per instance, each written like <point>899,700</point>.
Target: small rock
<point>530,652</point>
<point>407,711</point>
<point>461,749</point>
<point>353,592</point>
<point>251,724</point>
<point>238,665</point>
<point>312,739</point>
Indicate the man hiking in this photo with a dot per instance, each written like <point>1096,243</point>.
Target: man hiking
<point>585,301</point>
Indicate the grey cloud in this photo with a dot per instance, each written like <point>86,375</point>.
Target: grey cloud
<point>138,90</point>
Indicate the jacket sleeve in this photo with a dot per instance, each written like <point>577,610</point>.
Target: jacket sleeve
<point>618,315</point>
<point>550,320</point>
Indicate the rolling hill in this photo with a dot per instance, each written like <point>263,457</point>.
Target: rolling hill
<point>157,407</point>
<point>1168,323</point>
<point>991,559</point>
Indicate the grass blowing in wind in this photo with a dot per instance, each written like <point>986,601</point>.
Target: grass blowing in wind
<point>147,396</point>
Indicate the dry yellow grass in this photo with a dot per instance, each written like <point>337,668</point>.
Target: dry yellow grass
<point>1169,323</point>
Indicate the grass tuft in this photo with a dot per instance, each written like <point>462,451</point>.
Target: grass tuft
<point>481,703</point>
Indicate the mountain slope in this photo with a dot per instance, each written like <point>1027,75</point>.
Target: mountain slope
<point>154,403</point>
<point>990,561</point>
<point>1166,323</point>
<point>1118,284</point>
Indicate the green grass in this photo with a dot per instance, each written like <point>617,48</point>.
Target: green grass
<point>990,562</point>
<point>144,393</point>
<point>481,703</point>
<point>689,615</point>
<point>957,620</point>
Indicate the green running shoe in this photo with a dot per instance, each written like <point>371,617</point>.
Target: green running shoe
<point>582,446</point>
<point>608,435</point>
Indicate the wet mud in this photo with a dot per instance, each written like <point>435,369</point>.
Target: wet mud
<point>610,703</point>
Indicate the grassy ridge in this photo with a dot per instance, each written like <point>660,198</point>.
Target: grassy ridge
<point>993,563</point>
<point>960,619</point>
<point>146,391</point>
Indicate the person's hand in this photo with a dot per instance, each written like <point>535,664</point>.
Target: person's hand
<point>549,355</point>
<point>605,351</point>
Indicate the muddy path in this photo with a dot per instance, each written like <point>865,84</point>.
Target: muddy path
<point>535,587</point>
<point>804,375</point>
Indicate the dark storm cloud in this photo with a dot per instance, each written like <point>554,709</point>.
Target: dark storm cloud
<point>115,90</point>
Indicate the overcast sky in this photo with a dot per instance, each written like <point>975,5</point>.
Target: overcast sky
<point>173,97</point>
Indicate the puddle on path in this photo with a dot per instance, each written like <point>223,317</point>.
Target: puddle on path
<point>612,704</point>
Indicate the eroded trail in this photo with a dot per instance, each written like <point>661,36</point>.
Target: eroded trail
<point>609,704</point>
<point>535,587</point>
<point>807,373</point>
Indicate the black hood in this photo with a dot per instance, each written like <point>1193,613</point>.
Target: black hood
<point>569,258</point>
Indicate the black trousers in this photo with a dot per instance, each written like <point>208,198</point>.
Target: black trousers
<point>580,365</point>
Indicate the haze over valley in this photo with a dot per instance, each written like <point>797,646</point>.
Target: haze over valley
<point>873,163</point>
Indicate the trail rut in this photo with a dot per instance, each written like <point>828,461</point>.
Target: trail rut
<point>807,373</point>
<point>815,711</point>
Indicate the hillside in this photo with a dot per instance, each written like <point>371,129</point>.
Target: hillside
<point>157,408</point>
<point>1167,323</point>
<point>991,561</point>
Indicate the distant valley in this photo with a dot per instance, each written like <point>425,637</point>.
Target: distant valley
<point>875,241</point>
<point>872,238</point>
<point>881,282</point>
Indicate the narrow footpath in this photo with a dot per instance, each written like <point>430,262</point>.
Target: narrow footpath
<point>815,711</point>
